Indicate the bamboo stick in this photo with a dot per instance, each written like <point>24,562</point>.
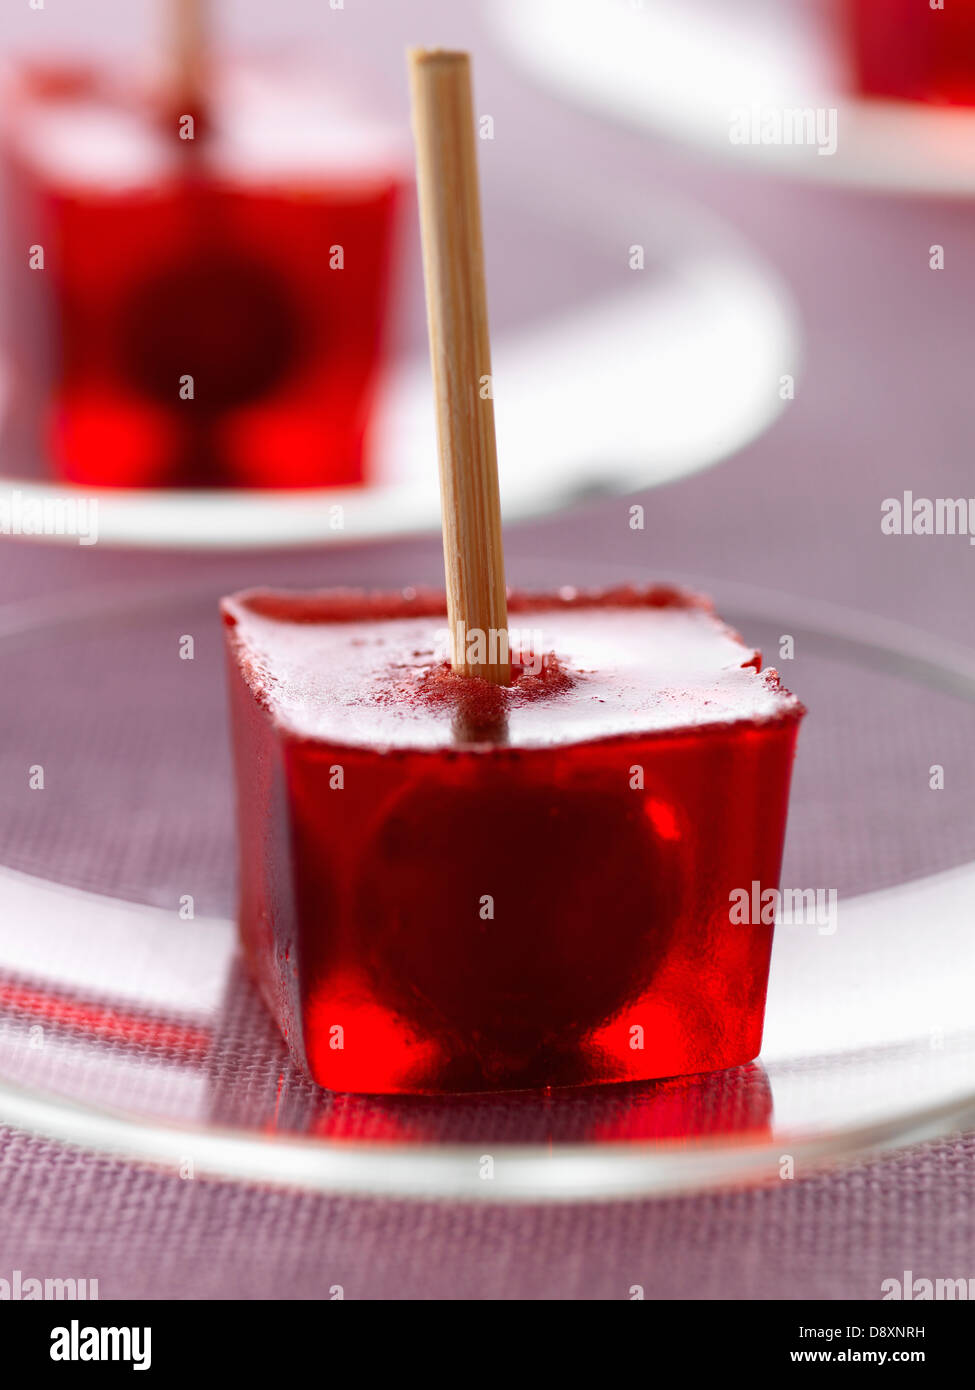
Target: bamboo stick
<point>460,353</point>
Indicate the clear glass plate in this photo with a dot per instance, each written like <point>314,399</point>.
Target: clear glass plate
<point>127,1026</point>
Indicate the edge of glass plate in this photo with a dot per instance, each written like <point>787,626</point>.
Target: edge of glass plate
<point>527,1173</point>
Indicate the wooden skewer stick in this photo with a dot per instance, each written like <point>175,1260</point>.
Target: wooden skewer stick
<point>460,352</point>
<point>189,58</point>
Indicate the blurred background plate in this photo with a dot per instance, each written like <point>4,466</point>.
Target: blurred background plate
<point>682,67</point>
<point>130,1028</point>
<point>650,375</point>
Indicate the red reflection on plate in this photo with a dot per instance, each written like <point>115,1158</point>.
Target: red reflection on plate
<point>737,1102</point>
<point>102,1021</point>
<point>719,1105</point>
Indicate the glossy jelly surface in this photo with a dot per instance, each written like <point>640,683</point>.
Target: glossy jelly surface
<point>254,270</point>
<point>450,886</point>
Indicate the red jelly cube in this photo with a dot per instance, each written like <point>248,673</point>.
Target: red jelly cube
<point>909,50</point>
<point>254,262</point>
<point>449,885</point>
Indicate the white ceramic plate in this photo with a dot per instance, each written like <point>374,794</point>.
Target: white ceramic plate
<point>686,68</point>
